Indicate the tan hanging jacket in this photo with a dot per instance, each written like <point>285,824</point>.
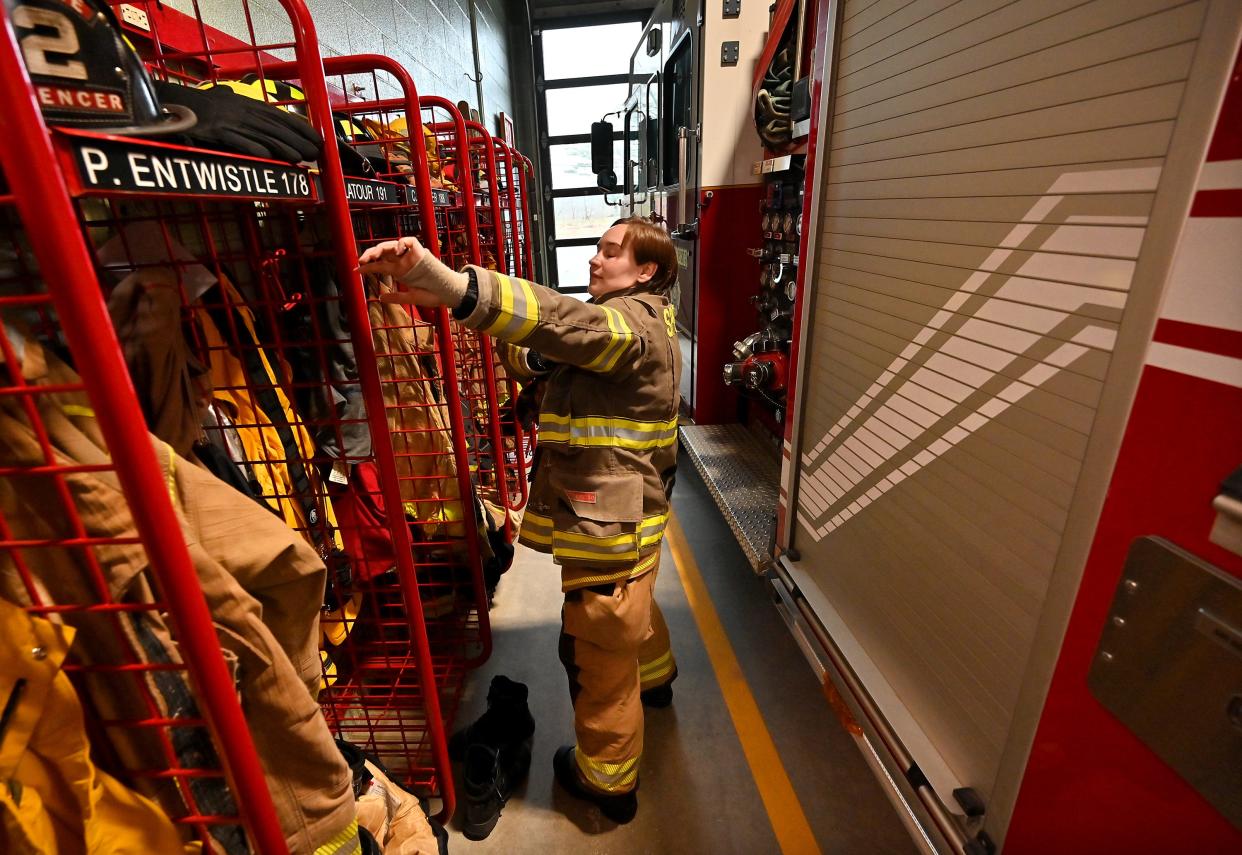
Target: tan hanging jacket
<point>608,424</point>
<point>262,582</point>
<point>422,440</point>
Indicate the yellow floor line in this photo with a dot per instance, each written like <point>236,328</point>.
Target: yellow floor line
<point>793,832</point>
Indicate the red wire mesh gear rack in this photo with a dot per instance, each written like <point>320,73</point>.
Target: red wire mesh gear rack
<point>525,442</point>
<point>424,408</point>
<point>161,705</point>
<point>383,695</point>
<point>466,230</point>
<point>241,271</point>
<point>506,190</point>
<point>151,722</point>
<point>496,415</point>
<point>159,710</point>
<point>520,449</point>
<point>521,169</point>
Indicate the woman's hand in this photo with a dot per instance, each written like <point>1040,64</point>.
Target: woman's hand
<point>395,258</point>
<point>419,275</point>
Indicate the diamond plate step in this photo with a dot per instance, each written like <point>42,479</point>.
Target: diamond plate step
<point>743,477</point>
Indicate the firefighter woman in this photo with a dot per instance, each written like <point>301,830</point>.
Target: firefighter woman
<point>606,458</point>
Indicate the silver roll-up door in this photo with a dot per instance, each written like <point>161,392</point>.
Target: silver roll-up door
<point>990,175</point>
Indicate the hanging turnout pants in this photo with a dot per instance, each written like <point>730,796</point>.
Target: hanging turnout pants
<point>614,645</point>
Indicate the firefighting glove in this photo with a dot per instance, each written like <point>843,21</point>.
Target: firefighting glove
<point>433,275</point>
<point>231,122</point>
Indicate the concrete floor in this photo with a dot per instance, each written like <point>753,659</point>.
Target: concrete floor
<point>697,794</point>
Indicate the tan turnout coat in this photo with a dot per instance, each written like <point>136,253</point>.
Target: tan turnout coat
<point>608,425</point>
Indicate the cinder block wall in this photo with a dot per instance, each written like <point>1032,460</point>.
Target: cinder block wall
<point>431,38</point>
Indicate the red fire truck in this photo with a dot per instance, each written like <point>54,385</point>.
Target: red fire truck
<point>967,271</point>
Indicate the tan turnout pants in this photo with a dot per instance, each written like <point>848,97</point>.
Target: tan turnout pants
<point>614,645</point>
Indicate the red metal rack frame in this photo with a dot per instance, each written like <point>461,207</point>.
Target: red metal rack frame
<point>488,370</point>
<point>525,168</point>
<point>206,60</point>
<point>479,367</point>
<point>66,267</point>
<point>507,191</point>
<point>475,351</point>
<point>498,159</point>
<point>310,76</point>
<point>450,132</point>
<point>521,166</point>
<point>436,221</point>
<point>454,645</point>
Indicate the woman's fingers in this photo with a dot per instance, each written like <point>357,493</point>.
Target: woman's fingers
<point>391,257</point>
<point>372,254</point>
<point>388,251</point>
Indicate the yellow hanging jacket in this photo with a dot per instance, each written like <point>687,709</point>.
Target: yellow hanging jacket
<point>243,378</point>
<point>53,800</point>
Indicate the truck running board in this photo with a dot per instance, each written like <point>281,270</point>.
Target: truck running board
<point>743,477</point>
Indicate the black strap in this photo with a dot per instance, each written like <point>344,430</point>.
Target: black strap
<point>263,386</point>
<point>470,300</point>
<point>1232,485</point>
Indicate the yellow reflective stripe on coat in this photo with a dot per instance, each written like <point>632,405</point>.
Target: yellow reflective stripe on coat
<point>536,528</point>
<point>541,530</point>
<point>621,336</point>
<point>607,431</point>
<point>652,530</point>
<point>518,310</point>
<point>618,575</point>
<point>609,777</point>
<point>344,843</point>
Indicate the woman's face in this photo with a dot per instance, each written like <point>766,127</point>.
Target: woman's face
<point>613,268</point>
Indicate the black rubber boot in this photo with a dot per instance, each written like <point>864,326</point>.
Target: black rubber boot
<point>507,721</point>
<point>658,697</point>
<point>481,788</point>
<point>661,696</point>
<point>490,778</point>
<point>619,808</point>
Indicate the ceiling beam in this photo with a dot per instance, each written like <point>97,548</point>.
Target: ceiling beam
<point>543,10</point>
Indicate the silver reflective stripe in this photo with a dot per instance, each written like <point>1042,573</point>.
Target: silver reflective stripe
<point>536,529</point>
<point>517,309</point>
<point>622,547</point>
<point>620,337</point>
<point>609,777</point>
<point>652,530</point>
<point>601,431</point>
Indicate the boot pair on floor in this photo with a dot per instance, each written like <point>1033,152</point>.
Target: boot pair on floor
<point>496,751</point>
